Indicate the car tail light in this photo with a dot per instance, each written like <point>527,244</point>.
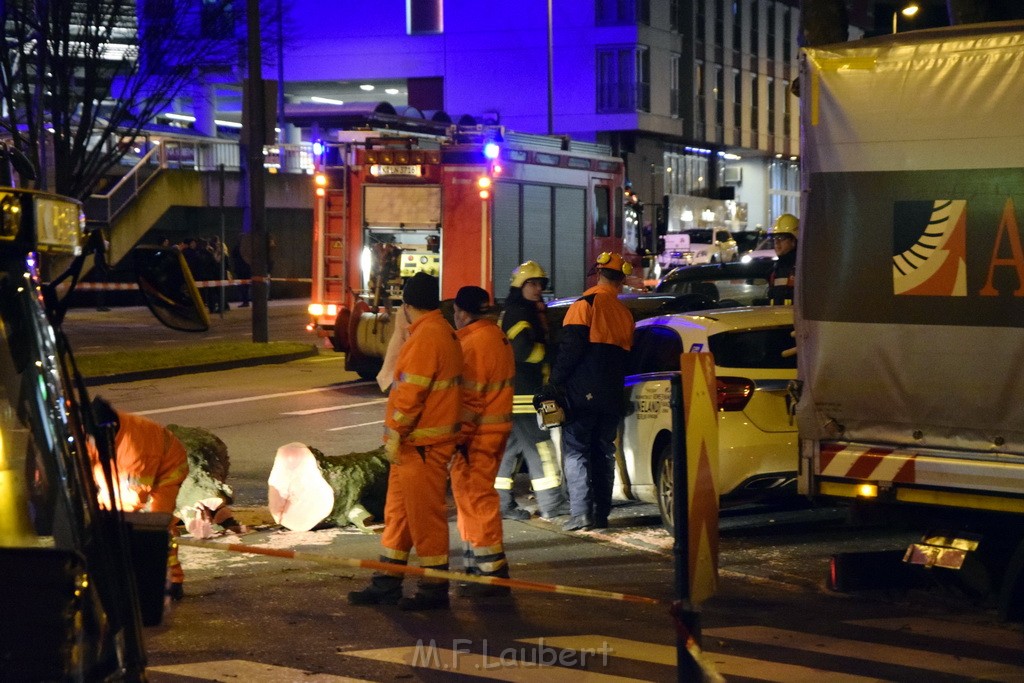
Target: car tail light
<point>734,393</point>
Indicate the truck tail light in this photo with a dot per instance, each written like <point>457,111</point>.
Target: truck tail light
<point>316,309</point>
<point>734,393</point>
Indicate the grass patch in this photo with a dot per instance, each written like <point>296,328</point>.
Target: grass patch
<point>106,363</point>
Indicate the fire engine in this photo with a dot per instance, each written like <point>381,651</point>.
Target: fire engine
<point>466,205</point>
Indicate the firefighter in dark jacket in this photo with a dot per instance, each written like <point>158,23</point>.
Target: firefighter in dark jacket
<point>590,372</point>
<point>526,328</point>
<point>782,279</point>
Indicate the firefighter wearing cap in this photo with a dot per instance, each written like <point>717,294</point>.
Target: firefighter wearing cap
<point>487,378</point>
<point>525,325</point>
<point>421,429</point>
<point>590,369</point>
<point>151,464</point>
<point>782,279</point>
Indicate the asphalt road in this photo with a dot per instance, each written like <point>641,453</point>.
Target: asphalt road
<point>251,617</point>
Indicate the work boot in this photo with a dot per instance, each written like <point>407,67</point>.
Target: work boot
<point>429,595</point>
<point>552,503</point>
<point>384,589</point>
<point>420,602</point>
<point>509,508</point>
<point>486,590</point>
<point>579,523</point>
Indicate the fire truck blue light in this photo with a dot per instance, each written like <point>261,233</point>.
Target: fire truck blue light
<point>318,148</point>
<point>491,150</point>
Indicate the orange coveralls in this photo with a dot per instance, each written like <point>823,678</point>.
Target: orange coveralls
<point>423,417</point>
<point>488,383</point>
<point>152,464</point>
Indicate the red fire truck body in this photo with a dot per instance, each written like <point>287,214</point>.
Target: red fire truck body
<point>466,206</point>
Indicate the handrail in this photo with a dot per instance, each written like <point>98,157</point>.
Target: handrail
<point>197,155</point>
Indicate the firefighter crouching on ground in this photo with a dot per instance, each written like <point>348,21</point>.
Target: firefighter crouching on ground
<point>421,429</point>
<point>151,465</point>
<point>525,326</point>
<point>590,369</point>
<point>781,281</point>
<point>487,377</point>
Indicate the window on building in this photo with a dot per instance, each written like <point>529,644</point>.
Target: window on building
<point>622,12</point>
<point>737,30</point>
<point>769,46</point>
<point>753,106</point>
<point>424,16</point>
<point>771,105</point>
<point>787,111</point>
<point>737,101</point>
<point>754,25</point>
<point>685,173</point>
<point>783,188</point>
<point>699,119</point>
<point>719,25</point>
<point>787,36</point>
<point>623,79</point>
<point>217,18</point>
<point>700,14</point>
<point>719,102</point>
<point>675,15</point>
<point>674,90</point>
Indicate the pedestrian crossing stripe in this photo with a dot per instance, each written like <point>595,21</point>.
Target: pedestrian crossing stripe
<point>1008,637</point>
<point>879,653</point>
<point>508,664</point>
<point>562,658</point>
<point>238,669</point>
<point>726,665</point>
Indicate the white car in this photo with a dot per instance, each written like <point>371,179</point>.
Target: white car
<point>757,439</point>
<point>765,249</point>
<point>698,245</point>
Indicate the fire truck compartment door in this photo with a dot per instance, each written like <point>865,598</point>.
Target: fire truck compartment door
<point>408,206</point>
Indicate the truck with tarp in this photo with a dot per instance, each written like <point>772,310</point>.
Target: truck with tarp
<point>910,292</point>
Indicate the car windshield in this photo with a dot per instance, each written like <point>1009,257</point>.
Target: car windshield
<point>699,236</point>
<point>735,291</point>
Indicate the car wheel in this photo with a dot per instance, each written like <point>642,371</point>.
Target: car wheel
<point>665,485</point>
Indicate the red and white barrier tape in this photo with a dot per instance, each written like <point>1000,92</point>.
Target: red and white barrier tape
<point>125,286</point>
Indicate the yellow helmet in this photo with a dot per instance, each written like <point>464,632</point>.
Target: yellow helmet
<point>613,261</point>
<point>786,224</point>
<point>529,270</point>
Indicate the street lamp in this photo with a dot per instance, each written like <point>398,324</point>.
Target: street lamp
<point>908,11</point>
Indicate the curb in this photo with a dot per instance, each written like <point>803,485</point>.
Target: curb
<point>159,373</point>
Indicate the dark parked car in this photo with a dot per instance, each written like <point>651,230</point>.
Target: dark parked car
<point>726,284</point>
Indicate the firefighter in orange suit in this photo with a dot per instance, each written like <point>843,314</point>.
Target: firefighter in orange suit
<point>151,465</point>
<point>421,430</point>
<point>590,371</point>
<point>488,380</point>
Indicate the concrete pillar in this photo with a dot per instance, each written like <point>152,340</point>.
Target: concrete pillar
<point>204,108</point>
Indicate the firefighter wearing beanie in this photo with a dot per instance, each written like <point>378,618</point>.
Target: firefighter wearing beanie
<point>488,381</point>
<point>421,429</point>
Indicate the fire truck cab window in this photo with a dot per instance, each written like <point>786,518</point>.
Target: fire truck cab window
<point>602,199</point>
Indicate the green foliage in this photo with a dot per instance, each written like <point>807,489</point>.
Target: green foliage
<point>208,465</point>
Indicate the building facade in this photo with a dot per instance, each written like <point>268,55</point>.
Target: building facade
<point>695,95</point>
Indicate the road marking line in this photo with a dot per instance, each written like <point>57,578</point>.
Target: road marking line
<point>364,424</point>
<point>872,652</point>
<point>727,665</point>
<point>502,665</point>
<point>248,399</point>
<point>237,669</point>
<point>328,409</point>
<point>936,628</point>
